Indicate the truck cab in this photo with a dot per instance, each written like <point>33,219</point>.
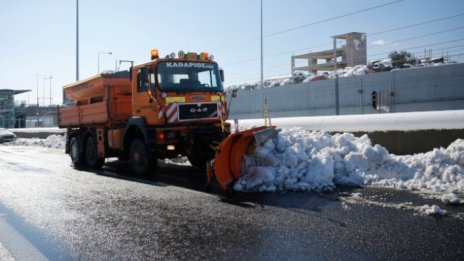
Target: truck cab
<point>179,102</point>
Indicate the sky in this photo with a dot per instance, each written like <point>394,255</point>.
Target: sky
<point>38,38</point>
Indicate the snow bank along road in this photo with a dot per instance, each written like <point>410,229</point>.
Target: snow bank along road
<point>301,160</point>
<point>69,214</point>
<point>402,133</point>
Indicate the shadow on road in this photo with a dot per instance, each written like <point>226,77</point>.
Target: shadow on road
<point>167,174</point>
<point>188,177</point>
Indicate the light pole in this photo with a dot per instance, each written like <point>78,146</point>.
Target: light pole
<point>50,79</point>
<point>77,43</point>
<point>262,76</point>
<point>262,71</point>
<point>109,53</point>
<point>37,78</point>
<point>44,79</point>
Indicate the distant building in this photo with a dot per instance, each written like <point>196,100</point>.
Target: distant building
<point>12,114</point>
<point>42,116</point>
<point>352,52</point>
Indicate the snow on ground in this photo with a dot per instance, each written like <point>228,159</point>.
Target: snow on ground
<point>4,254</point>
<point>53,141</point>
<point>401,121</point>
<point>450,198</point>
<point>433,210</point>
<point>302,160</point>
<point>182,161</point>
<point>38,130</point>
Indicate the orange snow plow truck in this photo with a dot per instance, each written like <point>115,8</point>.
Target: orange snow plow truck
<point>160,109</point>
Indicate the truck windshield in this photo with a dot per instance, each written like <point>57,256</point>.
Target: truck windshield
<point>188,76</point>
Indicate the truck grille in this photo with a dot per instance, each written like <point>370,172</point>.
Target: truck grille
<point>195,111</point>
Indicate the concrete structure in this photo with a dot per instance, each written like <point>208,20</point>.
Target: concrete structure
<point>14,114</point>
<point>352,52</point>
<point>41,116</point>
<point>417,89</point>
<point>11,113</point>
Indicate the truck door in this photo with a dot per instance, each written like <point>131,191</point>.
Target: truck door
<point>143,104</point>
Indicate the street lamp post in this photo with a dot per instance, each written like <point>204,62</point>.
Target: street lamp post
<point>262,75</point>
<point>109,53</point>
<point>50,78</point>
<point>77,43</point>
<point>262,70</point>
<point>37,112</point>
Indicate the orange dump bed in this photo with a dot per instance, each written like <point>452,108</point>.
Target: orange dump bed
<point>100,100</point>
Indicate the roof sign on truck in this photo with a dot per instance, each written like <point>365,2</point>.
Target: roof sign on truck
<point>189,65</point>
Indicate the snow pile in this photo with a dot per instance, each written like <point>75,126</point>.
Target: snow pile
<point>53,141</point>
<point>450,198</point>
<point>301,160</point>
<point>433,210</point>
<point>350,71</point>
<point>39,130</point>
<point>5,254</point>
<point>299,77</point>
<point>182,161</point>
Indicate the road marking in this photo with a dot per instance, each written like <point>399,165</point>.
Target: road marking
<point>15,245</point>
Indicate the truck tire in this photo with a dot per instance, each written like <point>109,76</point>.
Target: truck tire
<point>91,154</point>
<point>75,152</point>
<point>143,162</point>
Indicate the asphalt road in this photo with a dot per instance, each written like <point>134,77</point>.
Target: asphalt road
<point>61,213</point>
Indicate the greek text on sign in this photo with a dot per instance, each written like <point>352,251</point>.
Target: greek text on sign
<point>189,65</point>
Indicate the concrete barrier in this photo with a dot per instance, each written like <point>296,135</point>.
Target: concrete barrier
<point>412,142</point>
<point>401,133</point>
<point>41,133</point>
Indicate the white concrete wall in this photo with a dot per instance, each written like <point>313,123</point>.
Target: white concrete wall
<point>418,89</point>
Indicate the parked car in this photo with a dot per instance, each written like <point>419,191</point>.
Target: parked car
<point>6,136</point>
<point>318,78</point>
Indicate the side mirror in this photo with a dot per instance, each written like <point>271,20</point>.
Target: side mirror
<point>221,72</point>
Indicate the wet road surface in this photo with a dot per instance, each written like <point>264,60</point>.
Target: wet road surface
<point>67,214</point>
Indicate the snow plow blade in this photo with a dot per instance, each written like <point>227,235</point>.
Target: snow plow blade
<point>230,153</point>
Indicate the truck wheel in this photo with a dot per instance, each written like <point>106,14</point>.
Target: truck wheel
<point>75,153</point>
<point>142,161</point>
<point>91,154</point>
